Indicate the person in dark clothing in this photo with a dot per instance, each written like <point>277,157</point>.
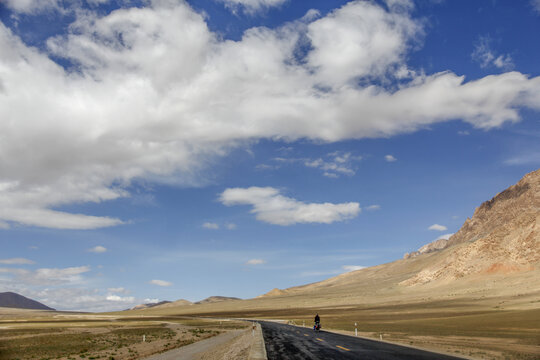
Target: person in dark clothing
<point>317,325</point>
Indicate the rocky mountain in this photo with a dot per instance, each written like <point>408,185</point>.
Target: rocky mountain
<point>503,236</point>
<point>436,245</point>
<point>14,300</point>
<point>213,299</point>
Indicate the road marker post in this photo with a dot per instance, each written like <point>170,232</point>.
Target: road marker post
<point>355,330</point>
<point>304,323</point>
<point>380,335</point>
<point>144,338</point>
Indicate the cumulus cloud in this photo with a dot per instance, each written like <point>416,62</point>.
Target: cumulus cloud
<point>251,6</point>
<point>161,282</point>
<point>486,56</point>
<point>98,249</point>
<point>210,225</point>
<point>230,226</point>
<point>437,227</point>
<point>135,105</point>
<point>16,261</point>
<point>390,158</point>
<point>151,301</point>
<point>116,298</point>
<point>256,262</point>
<point>32,6</point>
<point>272,207</point>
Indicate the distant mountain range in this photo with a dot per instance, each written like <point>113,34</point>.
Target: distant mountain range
<point>182,302</point>
<point>13,300</point>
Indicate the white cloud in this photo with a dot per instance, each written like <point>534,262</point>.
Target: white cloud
<point>333,164</point>
<point>47,276</point>
<point>251,6</point>
<point>373,207</point>
<point>151,301</point>
<point>98,249</point>
<point>138,109</point>
<point>272,207</point>
<point>349,268</point>
<point>390,158</point>
<point>231,226</point>
<point>256,262</point>
<point>4,225</point>
<point>486,56</point>
<point>339,163</point>
<point>369,40</point>
<point>161,282</point>
<point>437,227</point>
<point>16,261</point>
<point>210,225</point>
<point>32,6</point>
<point>116,298</point>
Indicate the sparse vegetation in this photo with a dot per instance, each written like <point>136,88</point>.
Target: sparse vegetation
<point>118,339</point>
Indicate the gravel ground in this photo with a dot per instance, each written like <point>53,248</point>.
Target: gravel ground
<point>235,349</point>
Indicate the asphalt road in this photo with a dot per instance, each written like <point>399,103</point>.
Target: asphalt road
<point>284,342</point>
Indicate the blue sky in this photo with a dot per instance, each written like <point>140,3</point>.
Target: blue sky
<point>168,149</point>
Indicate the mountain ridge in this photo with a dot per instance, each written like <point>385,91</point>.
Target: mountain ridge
<point>14,300</point>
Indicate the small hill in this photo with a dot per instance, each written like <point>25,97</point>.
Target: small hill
<point>214,299</point>
<point>176,303</point>
<point>273,292</point>
<point>149,305</point>
<point>14,300</point>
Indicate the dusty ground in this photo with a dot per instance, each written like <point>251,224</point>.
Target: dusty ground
<point>236,349</point>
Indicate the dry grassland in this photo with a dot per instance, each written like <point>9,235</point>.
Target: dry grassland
<point>41,335</point>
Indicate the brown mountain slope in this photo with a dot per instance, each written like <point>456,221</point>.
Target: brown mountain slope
<point>503,236</point>
<point>214,299</point>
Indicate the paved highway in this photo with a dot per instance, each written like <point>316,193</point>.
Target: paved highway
<point>284,342</point>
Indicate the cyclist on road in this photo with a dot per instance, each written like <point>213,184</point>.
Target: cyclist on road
<point>317,325</point>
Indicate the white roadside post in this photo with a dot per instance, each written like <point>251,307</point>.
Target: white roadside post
<point>144,338</point>
<point>381,336</point>
<point>304,323</point>
<point>355,330</point>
